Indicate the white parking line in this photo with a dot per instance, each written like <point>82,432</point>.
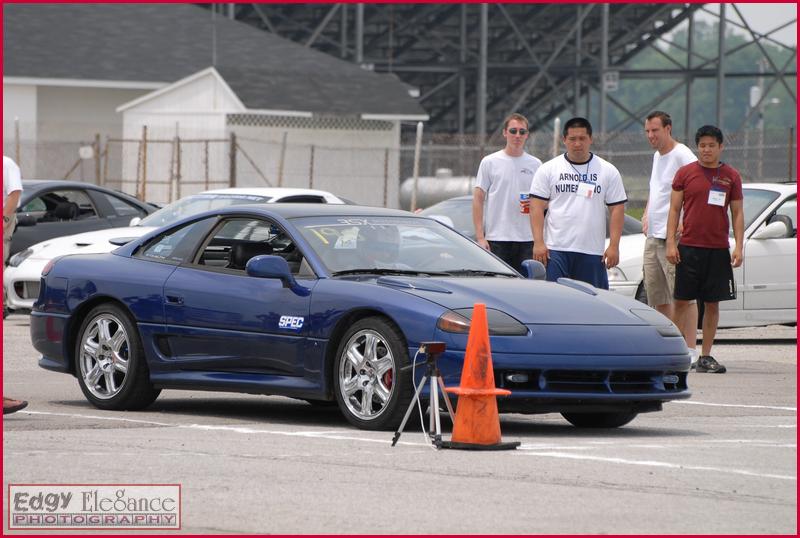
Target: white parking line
<point>775,407</point>
<point>234,429</point>
<point>527,449</point>
<point>96,417</point>
<point>648,463</point>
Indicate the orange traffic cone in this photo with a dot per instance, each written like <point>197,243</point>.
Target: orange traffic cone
<point>477,424</point>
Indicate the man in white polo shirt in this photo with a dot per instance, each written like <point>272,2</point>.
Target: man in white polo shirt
<point>576,188</point>
<point>503,185</point>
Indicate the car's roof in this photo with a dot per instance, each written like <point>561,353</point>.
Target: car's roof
<point>268,191</point>
<point>462,198</point>
<point>38,183</point>
<point>783,188</point>
<point>30,186</point>
<point>291,211</point>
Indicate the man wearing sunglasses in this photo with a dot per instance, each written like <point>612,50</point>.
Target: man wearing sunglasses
<point>502,187</point>
<point>576,188</point>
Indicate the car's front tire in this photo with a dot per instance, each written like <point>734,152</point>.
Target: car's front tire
<point>372,384</point>
<point>111,366</point>
<point>599,420</point>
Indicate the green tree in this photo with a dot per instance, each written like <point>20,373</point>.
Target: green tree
<point>636,93</point>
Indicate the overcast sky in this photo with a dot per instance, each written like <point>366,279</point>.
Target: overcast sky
<point>763,18</point>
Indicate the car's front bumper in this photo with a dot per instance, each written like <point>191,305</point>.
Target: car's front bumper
<point>22,284</point>
<point>564,383</point>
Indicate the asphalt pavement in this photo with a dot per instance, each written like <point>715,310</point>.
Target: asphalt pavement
<point>722,462</point>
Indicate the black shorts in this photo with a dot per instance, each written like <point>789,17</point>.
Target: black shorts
<point>704,274</point>
<point>513,252</point>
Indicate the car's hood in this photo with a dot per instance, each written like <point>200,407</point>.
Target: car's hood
<point>95,242</point>
<point>529,301</point>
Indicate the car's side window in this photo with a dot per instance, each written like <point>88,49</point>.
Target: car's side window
<point>61,205</point>
<point>236,240</point>
<point>789,209</point>
<point>176,246</point>
<point>36,205</point>
<point>122,207</point>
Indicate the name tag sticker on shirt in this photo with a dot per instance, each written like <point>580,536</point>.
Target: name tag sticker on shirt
<point>716,197</point>
<point>585,190</point>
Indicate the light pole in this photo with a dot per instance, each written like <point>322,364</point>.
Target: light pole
<point>756,100</point>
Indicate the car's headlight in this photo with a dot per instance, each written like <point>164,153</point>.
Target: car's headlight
<point>20,257</point>
<point>615,274</point>
<point>663,325</point>
<point>500,323</point>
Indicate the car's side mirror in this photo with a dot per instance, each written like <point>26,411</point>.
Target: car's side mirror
<point>534,269</point>
<point>776,229</point>
<point>271,266</point>
<point>135,221</point>
<point>26,220</point>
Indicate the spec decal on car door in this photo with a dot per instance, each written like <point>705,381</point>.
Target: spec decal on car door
<point>291,322</point>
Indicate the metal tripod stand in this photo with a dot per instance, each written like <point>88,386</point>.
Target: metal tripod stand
<point>431,350</point>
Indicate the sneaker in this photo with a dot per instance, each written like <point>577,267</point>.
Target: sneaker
<point>708,364</point>
<point>12,406</point>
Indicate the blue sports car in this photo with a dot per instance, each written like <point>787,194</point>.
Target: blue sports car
<point>330,303</point>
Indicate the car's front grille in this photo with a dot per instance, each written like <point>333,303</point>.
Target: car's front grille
<point>26,289</point>
<point>591,381</point>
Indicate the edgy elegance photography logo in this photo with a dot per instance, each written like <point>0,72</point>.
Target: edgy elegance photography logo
<point>94,506</point>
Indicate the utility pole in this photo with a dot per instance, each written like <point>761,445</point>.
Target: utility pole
<point>603,67</point>
<point>721,67</point>
<point>480,113</point>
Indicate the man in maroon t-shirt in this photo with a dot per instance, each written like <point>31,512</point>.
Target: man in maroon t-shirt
<point>704,190</point>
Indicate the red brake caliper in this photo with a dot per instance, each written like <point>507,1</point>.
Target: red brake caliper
<point>387,379</point>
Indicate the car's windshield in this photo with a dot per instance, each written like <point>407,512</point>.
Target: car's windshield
<point>198,203</point>
<point>754,203</point>
<point>395,244</point>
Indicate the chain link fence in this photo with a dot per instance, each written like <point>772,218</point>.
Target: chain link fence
<point>760,156</point>
<point>164,169</point>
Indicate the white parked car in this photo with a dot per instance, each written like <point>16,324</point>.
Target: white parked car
<point>766,282</point>
<point>21,277</point>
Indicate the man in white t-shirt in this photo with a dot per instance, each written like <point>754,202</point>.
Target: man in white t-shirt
<point>12,189</point>
<point>576,188</point>
<point>503,186</point>
<point>659,274</point>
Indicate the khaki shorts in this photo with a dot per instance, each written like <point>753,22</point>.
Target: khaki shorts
<point>8,231</point>
<point>659,274</point>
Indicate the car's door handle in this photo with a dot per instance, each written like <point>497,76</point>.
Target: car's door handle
<point>174,299</point>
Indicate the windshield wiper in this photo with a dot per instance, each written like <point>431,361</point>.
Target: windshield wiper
<point>479,272</point>
<point>377,271</point>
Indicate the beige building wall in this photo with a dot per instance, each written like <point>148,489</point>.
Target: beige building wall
<point>55,121</point>
<point>19,126</point>
<point>359,161</point>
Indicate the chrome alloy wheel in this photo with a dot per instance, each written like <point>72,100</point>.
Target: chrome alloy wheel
<point>104,354</point>
<point>366,374</point>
